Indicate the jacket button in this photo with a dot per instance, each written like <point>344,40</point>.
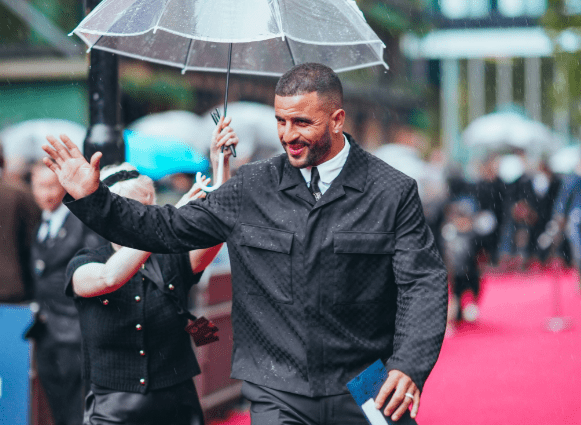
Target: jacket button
<point>142,381</point>
<point>141,353</point>
<point>138,327</point>
<point>105,302</point>
<point>171,287</point>
<point>137,298</point>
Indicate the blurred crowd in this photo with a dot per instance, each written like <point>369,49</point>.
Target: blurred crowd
<point>505,212</point>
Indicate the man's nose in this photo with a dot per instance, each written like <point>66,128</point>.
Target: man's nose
<point>289,133</point>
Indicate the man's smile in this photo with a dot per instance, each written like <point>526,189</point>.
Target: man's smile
<point>296,149</point>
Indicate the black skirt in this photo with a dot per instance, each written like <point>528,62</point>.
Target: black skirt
<point>176,405</point>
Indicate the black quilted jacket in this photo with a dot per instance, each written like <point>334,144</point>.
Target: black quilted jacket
<point>320,290</point>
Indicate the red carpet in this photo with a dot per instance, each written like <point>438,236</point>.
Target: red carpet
<point>506,368</point>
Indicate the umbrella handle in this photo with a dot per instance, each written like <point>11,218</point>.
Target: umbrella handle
<point>203,185</point>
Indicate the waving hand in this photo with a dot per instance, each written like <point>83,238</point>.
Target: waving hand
<point>75,174</point>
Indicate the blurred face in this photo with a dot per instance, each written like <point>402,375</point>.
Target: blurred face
<point>144,195</point>
<point>309,130</point>
<point>46,189</point>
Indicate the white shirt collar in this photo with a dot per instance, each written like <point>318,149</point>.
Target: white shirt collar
<point>56,219</point>
<point>329,170</point>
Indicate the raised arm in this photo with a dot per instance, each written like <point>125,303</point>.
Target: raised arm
<point>94,279</point>
<point>202,223</point>
<point>79,177</point>
<point>223,136</point>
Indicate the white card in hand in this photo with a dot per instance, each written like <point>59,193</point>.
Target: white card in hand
<point>374,416</point>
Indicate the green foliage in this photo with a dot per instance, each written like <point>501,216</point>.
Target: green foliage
<point>566,93</point>
<point>165,87</point>
<point>397,17</point>
<point>12,29</point>
<point>65,14</point>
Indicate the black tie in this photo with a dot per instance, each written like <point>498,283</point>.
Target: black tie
<point>315,179</point>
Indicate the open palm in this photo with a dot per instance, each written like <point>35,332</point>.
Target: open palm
<point>79,177</point>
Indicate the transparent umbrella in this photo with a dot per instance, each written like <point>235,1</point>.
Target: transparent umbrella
<point>255,125</point>
<point>22,141</point>
<point>180,125</point>
<point>261,37</point>
<point>270,36</point>
<point>501,130</point>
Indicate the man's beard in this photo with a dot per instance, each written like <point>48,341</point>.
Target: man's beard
<point>317,150</point>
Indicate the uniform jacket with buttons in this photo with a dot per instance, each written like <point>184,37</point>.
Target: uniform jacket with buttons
<point>133,338</point>
<point>320,290</point>
<point>49,262</point>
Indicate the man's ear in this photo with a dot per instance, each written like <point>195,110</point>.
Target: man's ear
<point>337,121</point>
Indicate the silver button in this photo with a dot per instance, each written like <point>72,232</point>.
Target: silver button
<point>105,302</point>
<point>141,353</point>
<point>171,287</point>
<point>137,298</point>
<point>142,381</point>
<point>138,327</point>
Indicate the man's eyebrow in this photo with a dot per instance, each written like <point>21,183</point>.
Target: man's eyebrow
<point>299,119</point>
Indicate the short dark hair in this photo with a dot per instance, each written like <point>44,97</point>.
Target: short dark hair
<point>311,77</point>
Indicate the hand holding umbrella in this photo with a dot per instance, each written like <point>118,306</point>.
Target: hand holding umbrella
<point>222,137</point>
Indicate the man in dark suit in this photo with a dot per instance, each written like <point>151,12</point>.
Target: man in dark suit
<point>58,335</point>
<point>332,263</point>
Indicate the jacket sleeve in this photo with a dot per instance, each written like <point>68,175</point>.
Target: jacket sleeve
<point>202,223</point>
<point>422,293</point>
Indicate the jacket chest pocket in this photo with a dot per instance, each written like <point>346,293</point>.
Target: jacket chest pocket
<point>266,256</point>
<point>363,266</point>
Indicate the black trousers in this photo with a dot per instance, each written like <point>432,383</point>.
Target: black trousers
<point>272,407</point>
<point>176,405</point>
<point>59,370</point>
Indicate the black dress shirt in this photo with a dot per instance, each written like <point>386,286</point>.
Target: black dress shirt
<point>133,338</point>
<point>319,291</point>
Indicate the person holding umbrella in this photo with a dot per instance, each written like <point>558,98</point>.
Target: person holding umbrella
<point>333,265</point>
<point>131,305</point>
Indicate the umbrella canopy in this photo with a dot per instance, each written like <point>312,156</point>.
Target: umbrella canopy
<point>501,130</point>
<point>159,156</point>
<point>22,142</point>
<point>254,124</point>
<point>566,159</point>
<point>270,35</point>
<point>178,125</point>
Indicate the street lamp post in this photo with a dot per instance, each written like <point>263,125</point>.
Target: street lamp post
<point>104,133</point>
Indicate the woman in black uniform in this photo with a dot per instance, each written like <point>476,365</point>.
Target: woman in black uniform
<point>137,355</point>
